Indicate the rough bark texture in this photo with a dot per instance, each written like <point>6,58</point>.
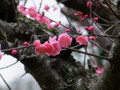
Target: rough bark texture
<point>54,73</point>
<point>60,72</point>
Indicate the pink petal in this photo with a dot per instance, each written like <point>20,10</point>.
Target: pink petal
<point>82,40</point>
<point>65,40</point>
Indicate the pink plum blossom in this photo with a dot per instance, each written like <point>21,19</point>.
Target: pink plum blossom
<point>99,71</point>
<point>40,18</point>
<point>52,39</point>
<point>47,7</point>
<point>82,40</point>
<point>37,43</point>
<point>56,45</point>
<point>57,48</point>
<point>49,48</point>
<point>32,12</point>
<point>41,49</point>
<point>48,22</point>
<point>22,10</point>
<point>50,26</point>
<point>65,40</point>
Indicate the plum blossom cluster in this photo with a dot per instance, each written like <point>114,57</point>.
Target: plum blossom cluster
<point>33,13</point>
<point>53,46</point>
<point>83,40</point>
<point>84,17</point>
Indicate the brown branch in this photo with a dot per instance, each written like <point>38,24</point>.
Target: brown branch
<point>112,10</point>
<point>17,48</point>
<point>98,46</point>
<point>106,58</point>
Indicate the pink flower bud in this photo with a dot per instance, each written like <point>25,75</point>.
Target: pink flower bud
<point>82,19</point>
<point>80,13</point>
<point>57,24</point>
<point>89,4</point>
<point>91,28</point>
<point>75,14</point>
<point>86,28</point>
<point>68,30</point>
<point>96,19</point>
<point>86,16</point>
<point>14,52</point>
<point>47,7</point>
<point>92,38</point>
<point>26,44</point>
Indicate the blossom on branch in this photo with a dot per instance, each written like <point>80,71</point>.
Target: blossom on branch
<point>83,40</point>
<point>14,52</point>
<point>41,49</point>
<point>65,40</point>
<point>22,10</point>
<point>32,12</point>
<point>37,43</point>
<point>89,4</point>
<point>99,71</point>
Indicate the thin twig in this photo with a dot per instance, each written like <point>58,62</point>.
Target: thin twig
<point>40,5</point>
<point>109,28</point>
<point>101,18</point>
<point>5,82</point>
<point>9,65</point>
<point>106,58</point>
<point>98,46</point>
<point>25,2</point>
<point>112,10</point>
<point>111,36</point>
<point>16,48</point>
